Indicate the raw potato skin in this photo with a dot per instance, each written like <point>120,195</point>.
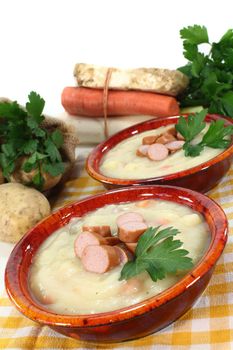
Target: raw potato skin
<point>21,208</point>
<point>163,81</point>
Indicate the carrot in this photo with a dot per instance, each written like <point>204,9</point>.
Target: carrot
<point>89,102</point>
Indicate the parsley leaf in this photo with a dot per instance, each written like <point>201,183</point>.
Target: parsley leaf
<point>158,254</point>
<point>227,103</point>
<point>217,135</point>
<point>35,106</point>
<point>38,180</point>
<point>10,109</point>
<point>7,165</point>
<point>192,126</point>
<point>52,151</point>
<point>34,126</point>
<point>57,138</point>
<point>192,150</point>
<point>195,34</point>
<point>152,237</point>
<point>55,169</point>
<point>30,146</point>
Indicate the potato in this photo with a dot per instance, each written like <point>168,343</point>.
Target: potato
<point>191,219</point>
<point>21,208</point>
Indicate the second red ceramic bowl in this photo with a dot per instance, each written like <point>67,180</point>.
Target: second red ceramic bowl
<point>200,178</point>
<point>136,320</point>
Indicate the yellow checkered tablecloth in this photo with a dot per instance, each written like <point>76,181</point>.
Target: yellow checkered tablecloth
<point>207,326</point>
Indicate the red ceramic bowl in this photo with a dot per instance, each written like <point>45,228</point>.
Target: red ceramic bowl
<point>130,322</point>
<point>200,178</point>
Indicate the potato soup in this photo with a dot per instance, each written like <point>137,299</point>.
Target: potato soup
<point>58,279</point>
<point>122,162</point>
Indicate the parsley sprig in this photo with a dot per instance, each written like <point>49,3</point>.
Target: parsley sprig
<point>217,136</point>
<point>211,74</point>
<point>159,254</point>
<point>21,134</point>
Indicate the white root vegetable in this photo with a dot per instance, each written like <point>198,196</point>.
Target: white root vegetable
<point>163,81</point>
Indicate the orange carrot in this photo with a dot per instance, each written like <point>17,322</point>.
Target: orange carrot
<point>89,102</point>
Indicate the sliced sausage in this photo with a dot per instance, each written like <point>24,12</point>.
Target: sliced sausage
<point>157,151</point>
<point>179,136</point>
<point>149,140</point>
<point>100,258</point>
<point>142,150</point>
<point>130,216</point>
<point>172,131</point>
<point>103,230</point>
<point>112,240</point>
<point>85,239</point>
<point>124,254</point>
<point>131,247</point>
<point>131,231</point>
<point>174,145</point>
<point>165,138</point>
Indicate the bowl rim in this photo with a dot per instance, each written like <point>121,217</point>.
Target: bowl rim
<point>102,148</point>
<point>33,310</point>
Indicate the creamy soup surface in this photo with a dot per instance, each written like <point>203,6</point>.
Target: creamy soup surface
<point>122,162</point>
<point>57,275</point>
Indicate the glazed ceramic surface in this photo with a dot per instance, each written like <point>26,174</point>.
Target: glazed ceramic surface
<point>201,178</point>
<point>133,321</point>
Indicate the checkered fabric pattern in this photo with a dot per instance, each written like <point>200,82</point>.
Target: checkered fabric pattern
<point>207,326</point>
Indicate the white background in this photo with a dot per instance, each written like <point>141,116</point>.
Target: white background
<point>42,40</point>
